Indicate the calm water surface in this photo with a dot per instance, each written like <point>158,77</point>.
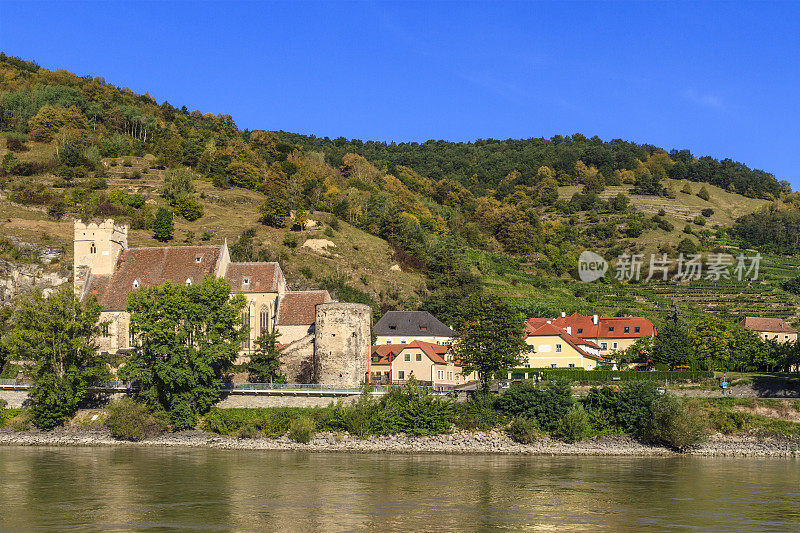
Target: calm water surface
<point>107,489</point>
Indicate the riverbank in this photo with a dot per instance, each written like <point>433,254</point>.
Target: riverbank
<point>458,442</point>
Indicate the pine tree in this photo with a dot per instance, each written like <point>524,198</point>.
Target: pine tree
<point>162,226</point>
<point>265,362</point>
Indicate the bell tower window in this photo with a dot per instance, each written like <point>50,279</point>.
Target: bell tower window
<point>92,249</point>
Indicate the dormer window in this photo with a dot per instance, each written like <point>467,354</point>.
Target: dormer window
<point>92,249</point>
<point>246,281</point>
<point>392,327</point>
<point>580,330</point>
<point>188,281</point>
<point>611,328</point>
<point>136,283</point>
<point>198,259</point>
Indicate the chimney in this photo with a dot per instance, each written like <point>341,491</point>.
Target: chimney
<point>569,330</point>
<point>595,320</point>
<point>563,314</point>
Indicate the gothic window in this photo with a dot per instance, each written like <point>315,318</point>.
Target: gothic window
<point>92,249</point>
<point>246,327</point>
<point>263,321</point>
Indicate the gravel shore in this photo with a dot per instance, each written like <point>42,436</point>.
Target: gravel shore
<point>458,442</point>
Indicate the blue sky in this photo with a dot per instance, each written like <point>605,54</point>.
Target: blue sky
<point>721,79</point>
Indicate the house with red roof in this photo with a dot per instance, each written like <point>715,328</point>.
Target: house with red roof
<point>430,364</point>
<point>553,347</point>
<point>610,334</point>
<point>775,329</point>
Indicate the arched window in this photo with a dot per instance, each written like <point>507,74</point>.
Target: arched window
<point>246,327</point>
<point>136,283</point>
<point>92,249</point>
<point>263,320</point>
<point>188,281</point>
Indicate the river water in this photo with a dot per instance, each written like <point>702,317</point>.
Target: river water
<point>156,489</point>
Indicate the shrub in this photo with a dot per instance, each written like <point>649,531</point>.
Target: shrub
<point>19,419</point>
<point>414,410</point>
<point>546,403</point>
<point>703,193</point>
<point>127,162</point>
<point>675,423</point>
<point>16,143</point>
<point>189,208</point>
<point>206,236</point>
<point>574,426</point>
<point>3,405</point>
<point>301,429</point>
<point>700,220</point>
<point>478,413</point>
<point>707,212</point>
<point>306,272</point>
<point>290,241</point>
<point>524,430</point>
<point>130,420</point>
<point>627,408</point>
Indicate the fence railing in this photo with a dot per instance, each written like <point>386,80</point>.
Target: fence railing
<point>24,383</point>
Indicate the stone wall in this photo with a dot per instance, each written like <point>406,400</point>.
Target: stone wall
<point>15,398</point>
<point>297,361</point>
<point>252,401</point>
<point>342,343</point>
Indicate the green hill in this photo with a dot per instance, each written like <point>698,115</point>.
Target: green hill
<point>410,224</point>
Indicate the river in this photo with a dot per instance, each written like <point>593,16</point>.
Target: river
<point>155,489</point>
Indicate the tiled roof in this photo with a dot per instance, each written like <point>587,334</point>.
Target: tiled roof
<point>388,352</point>
<point>254,277</point>
<point>435,352</point>
<point>298,308</point>
<point>771,325</point>
<point>583,326</point>
<point>411,324</point>
<point>148,267</point>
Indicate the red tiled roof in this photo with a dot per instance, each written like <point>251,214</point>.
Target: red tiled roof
<point>584,327</point>
<point>298,308</point>
<point>149,267</point>
<point>771,325</point>
<point>260,277</point>
<point>385,353</point>
<point>435,352</point>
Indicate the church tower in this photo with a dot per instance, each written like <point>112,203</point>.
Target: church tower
<point>97,246</point>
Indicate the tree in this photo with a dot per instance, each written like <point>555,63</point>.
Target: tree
<point>162,226</point>
<point>57,335</point>
<point>265,361</point>
<point>275,209</point>
<point>703,193</point>
<point>189,208</point>
<point>177,184</point>
<point>672,345</point>
<point>711,341</point>
<point>186,339</point>
<point>490,337</point>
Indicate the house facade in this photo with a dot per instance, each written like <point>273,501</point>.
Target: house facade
<point>610,334</point>
<point>775,329</point>
<point>553,347</point>
<point>404,327</point>
<point>428,363</point>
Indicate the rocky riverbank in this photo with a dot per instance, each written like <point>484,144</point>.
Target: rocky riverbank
<point>458,442</point>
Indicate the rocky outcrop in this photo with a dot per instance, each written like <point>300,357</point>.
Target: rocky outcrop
<point>19,278</point>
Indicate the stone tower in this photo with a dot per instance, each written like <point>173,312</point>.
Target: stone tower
<point>342,339</point>
<point>97,246</point>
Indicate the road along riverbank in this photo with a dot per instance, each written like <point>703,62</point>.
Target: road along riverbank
<point>457,442</point>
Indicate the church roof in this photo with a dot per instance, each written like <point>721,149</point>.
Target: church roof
<point>254,277</point>
<point>299,308</point>
<point>148,267</point>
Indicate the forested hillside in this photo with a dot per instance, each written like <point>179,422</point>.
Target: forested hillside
<point>410,224</point>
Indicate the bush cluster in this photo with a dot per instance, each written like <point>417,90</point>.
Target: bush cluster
<point>130,420</point>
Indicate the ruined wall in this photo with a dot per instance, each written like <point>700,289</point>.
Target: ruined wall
<point>297,361</point>
<point>342,341</point>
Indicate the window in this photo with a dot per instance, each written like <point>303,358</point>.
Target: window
<point>423,328</point>
<point>392,327</point>
<point>637,329</point>
<point>92,249</point>
<point>188,281</point>
<point>611,328</point>
<point>627,329</point>
<point>580,330</point>
<point>131,337</point>
<point>263,320</point>
<point>136,284</point>
<point>419,357</point>
<point>440,374</point>
<point>604,346</point>
<point>615,345</point>
<point>376,359</point>
<point>401,375</point>
<point>531,348</point>
<point>558,348</point>
<point>104,329</point>
<point>450,376</point>
<point>246,327</point>
<point>407,357</point>
<point>447,343</point>
<point>402,341</point>
<point>571,365</point>
<point>198,259</point>
<point>553,365</point>
<point>388,341</point>
<point>246,281</point>
<point>527,365</point>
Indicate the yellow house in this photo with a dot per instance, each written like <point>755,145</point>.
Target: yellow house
<point>770,328</point>
<point>428,363</point>
<point>404,327</point>
<point>553,347</point>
